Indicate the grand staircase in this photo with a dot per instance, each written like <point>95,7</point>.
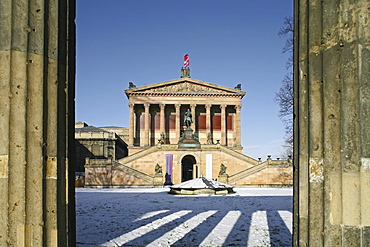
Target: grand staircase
<point>138,155</point>
<point>238,155</point>
<point>133,171</point>
<point>253,165</point>
<point>248,171</point>
<point>121,164</point>
<point>256,165</point>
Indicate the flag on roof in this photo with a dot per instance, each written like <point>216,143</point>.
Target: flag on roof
<point>186,60</point>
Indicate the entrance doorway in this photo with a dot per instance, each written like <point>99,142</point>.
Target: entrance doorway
<point>187,164</point>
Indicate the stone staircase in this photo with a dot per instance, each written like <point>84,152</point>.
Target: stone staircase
<point>256,165</point>
<point>257,168</point>
<point>138,155</point>
<point>120,164</point>
<point>248,171</point>
<point>133,171</point>
<point>238,155</point>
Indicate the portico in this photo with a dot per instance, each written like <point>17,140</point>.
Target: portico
<point>157,112</point>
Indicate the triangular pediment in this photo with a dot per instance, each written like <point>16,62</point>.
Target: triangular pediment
<point>185,87</point>
<point>182,85</point>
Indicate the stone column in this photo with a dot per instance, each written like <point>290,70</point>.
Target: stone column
<point>332,123</point>
<point>223,125</point>
<point>178,125</point>
<point>193,107</point>
<point>162,118</point>
<point>37,67</point>
<point>146,124</point>
<point>132,125</point>
<point>208,119</point>
<point>237,127</point>
<point>195,170</point>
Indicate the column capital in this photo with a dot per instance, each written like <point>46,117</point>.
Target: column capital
<point>177,106</point>
<point>238,107</point>
<point>223,106</point>
<point>131,105</point>
<point>208,106</point>
<point>162,106</point>
<point>193,105</point>
<point>146,105</point>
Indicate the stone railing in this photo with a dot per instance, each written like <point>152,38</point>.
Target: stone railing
<point>167,146</point>
<point>138,155</point>
<point>133,171</point>
<point>259,167</point>
<point>247,171</point>
<point>98,162</point>
<point>95,135</point>
<point>210,146</point>
<point>238,155</point>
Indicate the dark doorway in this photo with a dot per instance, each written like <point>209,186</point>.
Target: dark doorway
<point>187,168</point>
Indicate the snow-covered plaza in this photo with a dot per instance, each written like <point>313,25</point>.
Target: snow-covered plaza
<point>152,217</point>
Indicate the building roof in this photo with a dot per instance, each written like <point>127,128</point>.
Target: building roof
<point>185,86</point>
<point>90,129</point>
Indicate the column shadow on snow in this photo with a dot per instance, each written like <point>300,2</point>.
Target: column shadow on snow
<point>118,214</point>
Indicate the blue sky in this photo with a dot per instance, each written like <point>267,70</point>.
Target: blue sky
<point>143,41</point>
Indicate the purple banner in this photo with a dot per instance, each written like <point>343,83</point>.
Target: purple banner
<point>169,158</point>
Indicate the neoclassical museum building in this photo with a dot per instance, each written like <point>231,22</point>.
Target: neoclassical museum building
<point>183,129</point>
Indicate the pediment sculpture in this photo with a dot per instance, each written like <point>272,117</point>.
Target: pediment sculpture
<point>186,87</point>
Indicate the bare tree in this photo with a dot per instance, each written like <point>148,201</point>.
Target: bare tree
<point>284,97</point>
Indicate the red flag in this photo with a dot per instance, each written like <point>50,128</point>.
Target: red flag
<point>186,60</point>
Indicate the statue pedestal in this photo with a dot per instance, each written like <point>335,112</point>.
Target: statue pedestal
<point>224,178</point>
<point>188,139</point>
<point>158,179</point>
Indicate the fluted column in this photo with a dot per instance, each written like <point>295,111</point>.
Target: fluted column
<point>162,118</point>
<point>208,119</point>
<point>177,122</point>
<point>37,123</point>
<point>132,125</point>
<point>332,123</point>
<point>193,107</point>
<point>237,127</point>
<point>146,124</point>
<point>223,125</point>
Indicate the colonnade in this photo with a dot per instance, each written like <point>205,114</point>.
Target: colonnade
<point>162,107</point>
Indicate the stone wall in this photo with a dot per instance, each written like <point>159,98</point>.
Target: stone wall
<point>97,143</point>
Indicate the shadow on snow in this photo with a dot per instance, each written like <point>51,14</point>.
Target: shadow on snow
<point>105,216</point>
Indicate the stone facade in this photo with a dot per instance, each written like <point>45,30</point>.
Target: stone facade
<point>97,143</point>
<point>158,137</point>
<point>158,110</point>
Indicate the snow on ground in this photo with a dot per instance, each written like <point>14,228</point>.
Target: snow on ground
<point>152,217</point>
